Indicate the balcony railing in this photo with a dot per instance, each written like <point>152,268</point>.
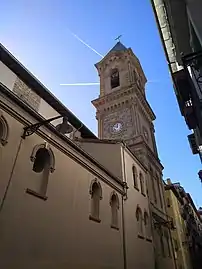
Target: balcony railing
<point>193,69</point>
<point>193,144</point>
<point>193,62</point>
<point>188,88</point>
<point>183,88</point>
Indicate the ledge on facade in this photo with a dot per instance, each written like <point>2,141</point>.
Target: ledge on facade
<point>36,194</point>
<point>148,239</point>
<point>94,219</point>
<point>136,188</point>
<point>115,227</point>
<point>140,236</point>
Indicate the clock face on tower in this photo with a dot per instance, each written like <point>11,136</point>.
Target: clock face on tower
<point>117,127</point>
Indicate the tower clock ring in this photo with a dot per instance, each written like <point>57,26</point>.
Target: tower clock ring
<point>117,127</point>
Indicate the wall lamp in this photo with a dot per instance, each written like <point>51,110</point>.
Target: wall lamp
<point>31,129</point>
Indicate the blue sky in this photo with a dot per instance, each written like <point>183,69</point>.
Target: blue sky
<point>38,34</point>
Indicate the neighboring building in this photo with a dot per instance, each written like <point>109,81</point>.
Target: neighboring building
<point>180,28</point>
<point>174,202</point>
<point>187,235</point>
<point>123,113</point>
<point>61,205</point>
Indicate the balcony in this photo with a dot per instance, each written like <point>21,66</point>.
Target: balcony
<point>193,144</point>
<point>183,89</point>
<point>188,88</point>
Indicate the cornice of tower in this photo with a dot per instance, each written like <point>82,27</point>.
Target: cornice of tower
<point>114,56</point>
<point>123,98</point>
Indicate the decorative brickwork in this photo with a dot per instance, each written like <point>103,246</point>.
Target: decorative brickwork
<point>26,94</point>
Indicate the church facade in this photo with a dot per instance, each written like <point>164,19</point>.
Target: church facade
<point>70,199</point>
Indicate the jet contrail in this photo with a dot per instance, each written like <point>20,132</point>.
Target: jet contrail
<point>80,84</point>
<point>97,83</point>
<point>88,46</point>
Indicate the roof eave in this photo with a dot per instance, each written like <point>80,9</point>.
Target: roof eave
<point>13,64</point>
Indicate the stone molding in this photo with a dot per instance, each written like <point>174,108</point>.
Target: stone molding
<point>51,154</point>
<point>4,131</point>
<point>117,198</point>
<point>95,181</point>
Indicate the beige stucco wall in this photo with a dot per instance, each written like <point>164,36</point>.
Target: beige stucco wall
<point>137,248</point>
<point>107,154</point>
<point>120,161</point>
<point>55,233</point>
<point>8,152</point>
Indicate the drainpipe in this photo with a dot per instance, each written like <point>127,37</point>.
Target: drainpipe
<point>124,197</point>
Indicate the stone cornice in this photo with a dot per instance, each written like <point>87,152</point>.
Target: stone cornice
<point>106,59</point>
<point>123,95</point>
<point>114,101</point>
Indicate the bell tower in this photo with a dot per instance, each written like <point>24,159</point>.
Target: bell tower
<point>122,109</point>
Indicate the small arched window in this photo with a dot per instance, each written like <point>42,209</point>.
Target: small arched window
<point>114,202</point>
<point>139,221</point>
<point>43,164</point>
<point>142,183</point>
<point>3,131</point>
<point>147,225</point>
<point>42,160</point>
<point>115,78</point>
<point>96,196</point>
<point>135,177</point>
